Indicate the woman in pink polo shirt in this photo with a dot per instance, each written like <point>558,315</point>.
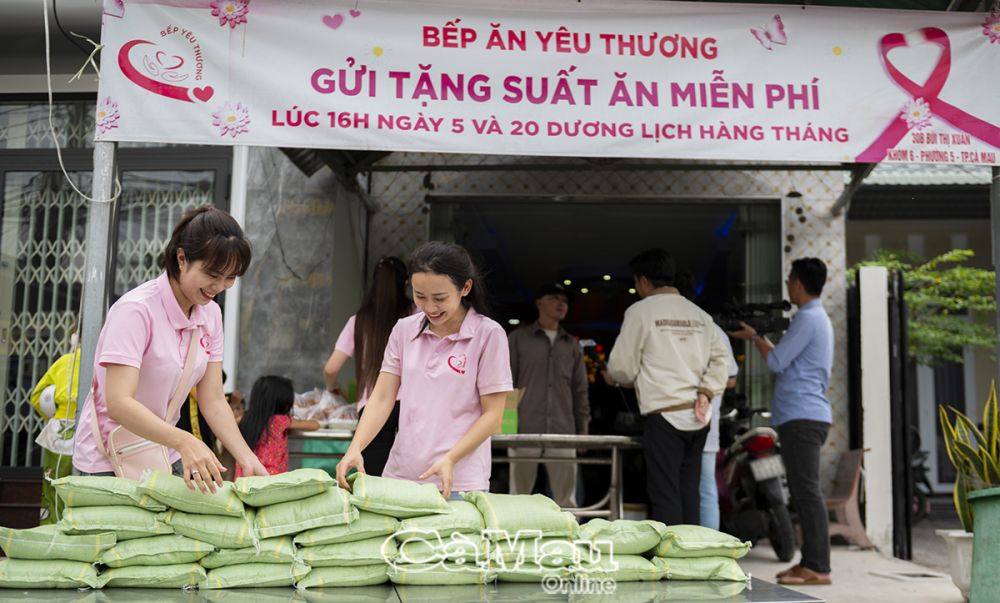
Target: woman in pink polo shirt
<point>143,345</point>
<point>449,367</point>
<point>365,336</point>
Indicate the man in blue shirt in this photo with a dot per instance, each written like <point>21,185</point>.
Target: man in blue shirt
<point>800,411</point>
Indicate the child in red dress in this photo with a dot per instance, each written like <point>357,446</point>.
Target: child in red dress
<point>267,420</point>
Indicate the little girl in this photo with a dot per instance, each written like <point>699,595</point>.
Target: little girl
<point>266,422</point>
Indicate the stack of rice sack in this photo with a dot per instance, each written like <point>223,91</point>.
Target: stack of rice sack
<point>439,542</point>
<point>436,542</point>
<point>299,529</point>
<point>356,553</point>
<point>690,552</point>
<point>530,537</point>
<point>650,551</point>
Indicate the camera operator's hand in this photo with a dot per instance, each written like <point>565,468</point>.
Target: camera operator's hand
<point>747,332</point>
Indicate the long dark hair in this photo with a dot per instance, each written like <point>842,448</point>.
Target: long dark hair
<point>207,233</point>
<point>385,302</point>
<point>453,261</point>
<point>271,395</point>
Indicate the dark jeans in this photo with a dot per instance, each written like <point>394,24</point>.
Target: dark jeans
<point>673,470</point>
<point>377,452</point>
<point>800,445</point>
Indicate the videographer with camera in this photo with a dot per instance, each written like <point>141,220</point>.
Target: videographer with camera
<point>670,349</point>
<point>800,411</point>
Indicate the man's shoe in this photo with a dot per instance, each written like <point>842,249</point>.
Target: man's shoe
<point>785,572</point>
<point>801,576</point>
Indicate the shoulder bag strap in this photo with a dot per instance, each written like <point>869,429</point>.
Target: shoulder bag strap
<point>184,385</point>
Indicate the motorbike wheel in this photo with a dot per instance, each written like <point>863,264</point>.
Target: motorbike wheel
<point>781,533</point>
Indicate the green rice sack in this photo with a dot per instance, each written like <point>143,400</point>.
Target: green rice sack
<point>533,574</point>
<point>623,568</point>
<point>173,492</point>
<point>381,549</point>
<point>180,575</point>
<point>508,514</point>
<point>222,532</point>
<point>696,541</point>
<point>327,509</point>
<point>174,549</point>
<point>126,522</point>
<point>48,543</point>
<point>439,574</point>
<point>398,498</point>
<point>272,550</point>
<point>465,518</point>
<point>508,555</point>
<point>362,575</point>
<point>367,525</point>
<point>103,491</point>
<point>700,568</point>
<point>261,491</point>
<point>457,548</point>
<point>31,574</point>
<point>257,575</point>
<point>627,537</point>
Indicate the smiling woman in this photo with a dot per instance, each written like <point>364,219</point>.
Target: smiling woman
<point>449,367</point>
<point>159,340</point>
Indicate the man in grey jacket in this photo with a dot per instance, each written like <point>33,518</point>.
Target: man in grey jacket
<point>548,362</point>
<point>671,351</point>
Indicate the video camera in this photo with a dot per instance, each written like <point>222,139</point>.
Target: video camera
<point>761,317</point>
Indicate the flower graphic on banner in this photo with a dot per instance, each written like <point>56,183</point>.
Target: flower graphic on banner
<point>115,8</point>
<point>991,28</point>
<point>107,115</point>
<point>232,12</point>
<point>232,119</point>
<point>917,114</point>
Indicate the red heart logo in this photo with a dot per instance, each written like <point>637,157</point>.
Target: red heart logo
<point>160,55</point>
<point>457,363</point>
<point>333,22</point>
<point>203,94</point>
<point>355,13</point>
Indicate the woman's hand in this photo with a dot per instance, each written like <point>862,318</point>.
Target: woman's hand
<point>352,460</point>
<point>444,468</point>
<point>251,465</point>
<point>201,467</point>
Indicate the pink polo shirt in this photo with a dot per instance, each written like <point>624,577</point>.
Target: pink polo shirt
<point>345,344</point>
<point>441,382</point>
<point>146,329</point>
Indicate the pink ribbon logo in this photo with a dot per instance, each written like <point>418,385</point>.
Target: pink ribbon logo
<point>929,92</point>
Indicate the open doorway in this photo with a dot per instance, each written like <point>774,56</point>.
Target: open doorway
<point>732,247</point>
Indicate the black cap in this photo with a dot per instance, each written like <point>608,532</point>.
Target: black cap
<point>553,289</point>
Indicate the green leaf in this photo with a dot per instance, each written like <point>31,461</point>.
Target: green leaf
<point>991,421</point>
<point>961,498</point>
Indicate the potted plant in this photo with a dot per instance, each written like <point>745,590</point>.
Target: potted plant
<point>975,453</point>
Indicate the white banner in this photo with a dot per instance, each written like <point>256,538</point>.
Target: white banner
<point>628,79</point>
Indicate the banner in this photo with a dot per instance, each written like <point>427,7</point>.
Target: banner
<point>623,79</point>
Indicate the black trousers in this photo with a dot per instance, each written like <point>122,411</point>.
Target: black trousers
<point>377,452</point>
<point>673,470</point>
<point>801,442</point>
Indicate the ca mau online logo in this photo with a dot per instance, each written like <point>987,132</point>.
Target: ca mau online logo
<point>496,550</point>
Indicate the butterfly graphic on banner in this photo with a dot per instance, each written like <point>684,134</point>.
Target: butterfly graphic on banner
<point>771,33</point>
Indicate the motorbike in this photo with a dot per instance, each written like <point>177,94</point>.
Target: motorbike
<point>753,493</point>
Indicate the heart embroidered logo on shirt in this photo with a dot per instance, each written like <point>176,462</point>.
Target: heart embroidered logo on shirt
<point>205,341</point>
<point>457,363</point>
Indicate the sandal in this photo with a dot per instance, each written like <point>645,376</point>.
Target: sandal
<point>800,576</point>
